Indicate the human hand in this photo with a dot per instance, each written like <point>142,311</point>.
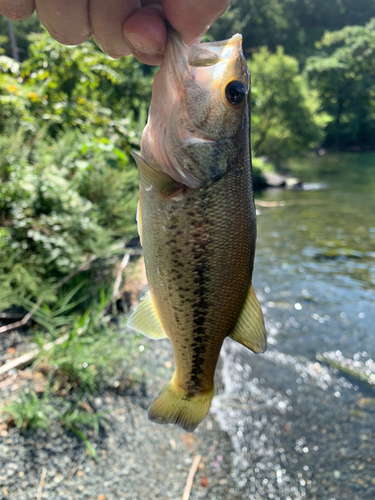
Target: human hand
<point>120,27</point>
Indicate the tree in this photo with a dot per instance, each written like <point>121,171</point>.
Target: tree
<point>261,22</point>
<point>285,117</point>
<point>309,19</point>
<point>345,81</point>
<point>295,24</point>
<point>21,30</point>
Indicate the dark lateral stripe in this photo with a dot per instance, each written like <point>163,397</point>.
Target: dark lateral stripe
<point>200,311</point>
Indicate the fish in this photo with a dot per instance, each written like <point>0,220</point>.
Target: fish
<point>197,221</point>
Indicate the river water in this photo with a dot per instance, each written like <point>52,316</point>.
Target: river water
<point>301,428</point>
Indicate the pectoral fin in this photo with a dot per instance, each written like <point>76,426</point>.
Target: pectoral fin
<point>152,179</point>
<point>145,320</point>
<point>249,330</point>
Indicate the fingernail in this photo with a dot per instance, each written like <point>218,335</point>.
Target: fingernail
<point>142,44</point>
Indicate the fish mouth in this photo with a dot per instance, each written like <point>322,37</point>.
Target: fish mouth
<point>209,53</point>
<point>233,40</point>
<point>201,54</point>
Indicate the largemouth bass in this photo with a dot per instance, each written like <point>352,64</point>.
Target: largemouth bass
<point>196,220</point>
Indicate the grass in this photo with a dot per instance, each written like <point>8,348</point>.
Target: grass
<point>31,412</point>
<point>62,313</point>
<point>79,421</point>
<point>94,351</point>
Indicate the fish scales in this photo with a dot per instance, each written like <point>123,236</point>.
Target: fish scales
<point>204,249</point>
<point>197,221</point>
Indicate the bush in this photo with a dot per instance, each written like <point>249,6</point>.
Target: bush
<point>65,88</point>
<point>60,202</point>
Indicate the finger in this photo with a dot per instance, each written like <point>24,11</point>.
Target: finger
<point>192,18</point>
<point>146,34</point>
<point>67,21</point>
<point>107,20</point>
<point>17,9</point>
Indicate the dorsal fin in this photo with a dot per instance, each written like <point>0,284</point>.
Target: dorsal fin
<point>145,319</point>
<point>249,330</point>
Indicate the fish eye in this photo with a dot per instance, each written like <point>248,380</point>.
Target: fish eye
<point>235,92</point>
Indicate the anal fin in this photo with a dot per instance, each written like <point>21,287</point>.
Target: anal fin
<point>145,319</point>
<point>249,330</point>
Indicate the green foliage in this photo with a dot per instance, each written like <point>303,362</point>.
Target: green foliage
<point>80,422</point>
<point>341,74</point>
<point>30,411</point>
<point>63,312</point>
<point>309,19</point>
<point>14,97</point>
<point>68,119</point>
<point>345,81</point>
<point>3,40</point>
<point>75,88</point>
<point>261,22</point>
<point>285,118</point>
<point>80,87</point>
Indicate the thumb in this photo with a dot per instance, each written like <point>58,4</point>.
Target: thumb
<point>192,18</point>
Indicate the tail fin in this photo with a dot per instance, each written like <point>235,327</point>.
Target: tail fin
<point>176,406</point>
